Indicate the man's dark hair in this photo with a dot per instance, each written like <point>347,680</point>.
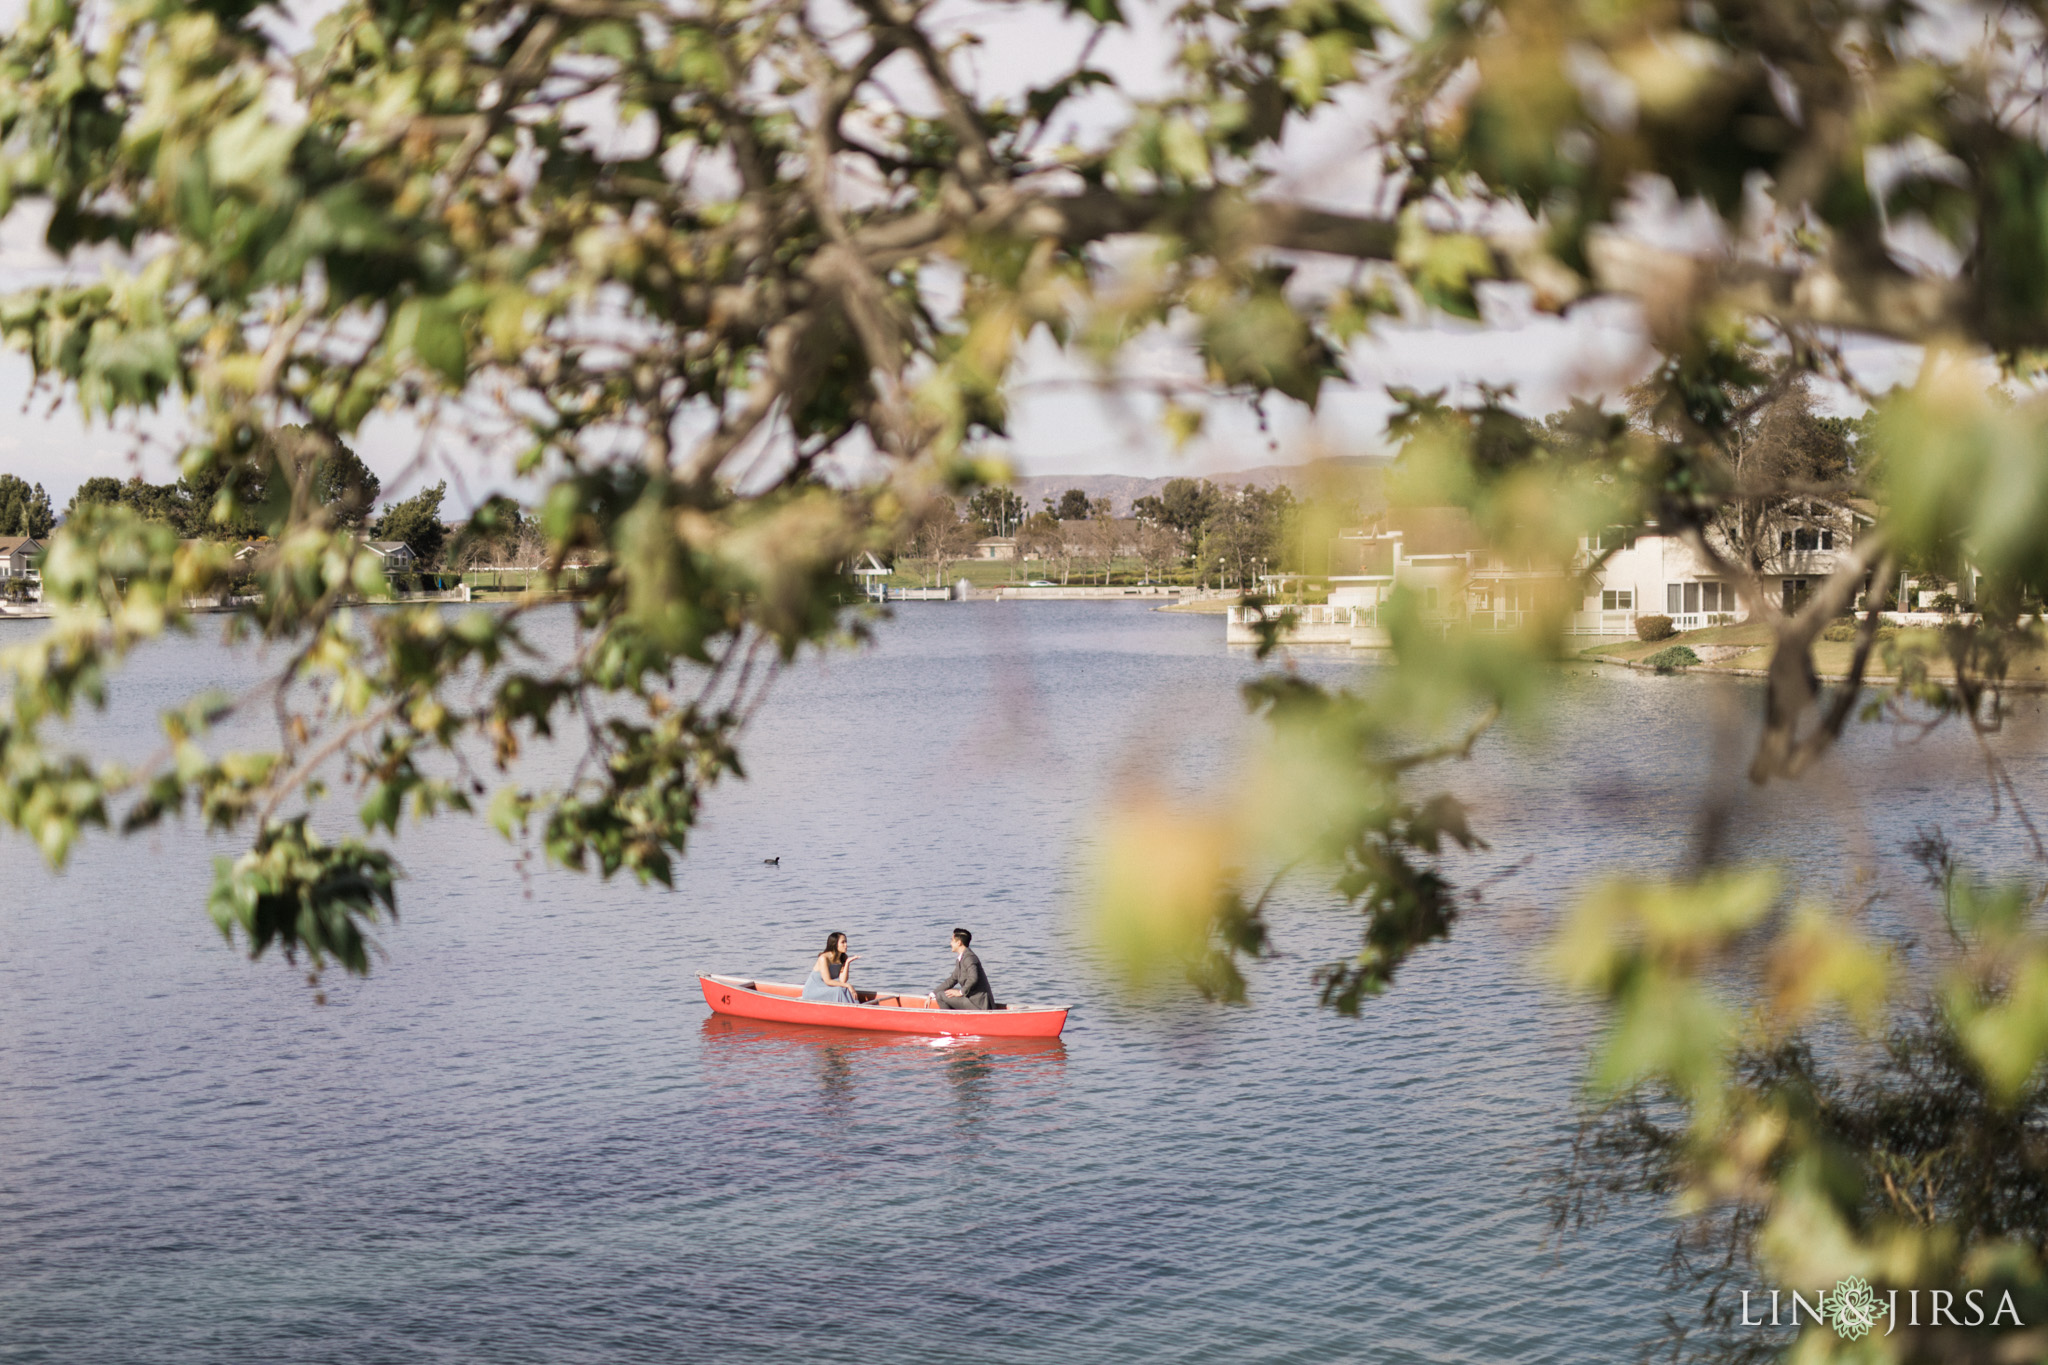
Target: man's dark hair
<point>966,939</point>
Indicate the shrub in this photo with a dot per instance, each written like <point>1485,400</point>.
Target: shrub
<point>1677,656</point>
<point>1654,628</point>
<point>1845,630</point>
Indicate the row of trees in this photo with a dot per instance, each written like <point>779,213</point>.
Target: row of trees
<point>1093,545</point>
<point>1072,535</point>
<point>214,504</point>
<point>218,502</point>
<point>1234,531</point>
<point>24,509</point>
<point>1192,528</point>
<point>205,510</point>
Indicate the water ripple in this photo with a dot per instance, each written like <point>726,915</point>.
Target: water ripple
<point>523,1140</point>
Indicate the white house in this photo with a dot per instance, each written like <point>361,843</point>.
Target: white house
<point>1649,573</point>
<point>1652,573</point>
<point>1427,549</point>
<point>1437,553</point>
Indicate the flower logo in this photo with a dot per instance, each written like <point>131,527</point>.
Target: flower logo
<point>1853,1308</point>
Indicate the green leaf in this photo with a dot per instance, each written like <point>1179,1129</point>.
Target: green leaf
<point>439,342</point>
<point>305,896</point>
<point>1101,11</point>
<point>252,150</point>
<point>1184,150</point>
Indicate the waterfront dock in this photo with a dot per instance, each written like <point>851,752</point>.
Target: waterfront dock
<point>1355,627</point>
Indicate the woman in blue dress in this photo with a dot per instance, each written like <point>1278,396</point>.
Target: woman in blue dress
<point>831,975</point>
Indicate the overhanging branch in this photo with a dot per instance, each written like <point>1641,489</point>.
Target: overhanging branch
<point>1881,301</point>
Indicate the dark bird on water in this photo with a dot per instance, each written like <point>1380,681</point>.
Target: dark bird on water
<point>776,861</point>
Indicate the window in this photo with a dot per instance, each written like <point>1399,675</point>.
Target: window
<point>1804,539</point>
<point>1796,593</point>
<point>1674,598</point>
<point>1710,598</point>
<point>1621,599</point>
<point>1692,598</point>
<point>1827,540</point>
<point>1784,541</point>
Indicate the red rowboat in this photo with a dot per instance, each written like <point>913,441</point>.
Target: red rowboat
<point>876,1013</point>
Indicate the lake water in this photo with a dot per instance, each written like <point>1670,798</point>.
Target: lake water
<point>525,1140</point>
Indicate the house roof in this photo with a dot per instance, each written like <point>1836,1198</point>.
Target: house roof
<point>1435,530</point>
<point>1350,558</point>
<point>9,544</point>
<point>388,547</point>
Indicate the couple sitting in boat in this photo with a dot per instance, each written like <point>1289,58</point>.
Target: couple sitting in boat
<point>965,987</point>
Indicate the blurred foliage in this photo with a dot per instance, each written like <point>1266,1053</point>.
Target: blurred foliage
<point>1798,1155</point>
<point>677,262</point>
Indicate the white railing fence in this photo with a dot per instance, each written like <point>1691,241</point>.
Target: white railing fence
<point>1304,615</point>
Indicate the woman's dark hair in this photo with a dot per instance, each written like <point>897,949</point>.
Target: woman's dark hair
<point>966,939</point>
<point>832,948</point>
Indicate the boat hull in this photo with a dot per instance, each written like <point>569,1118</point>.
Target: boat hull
<point>745,998</point>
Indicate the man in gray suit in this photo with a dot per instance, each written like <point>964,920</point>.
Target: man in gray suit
<point>967,987</point>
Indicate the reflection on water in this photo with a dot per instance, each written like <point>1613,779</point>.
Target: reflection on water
<point>758,1039</point>
<point>843,1061</point>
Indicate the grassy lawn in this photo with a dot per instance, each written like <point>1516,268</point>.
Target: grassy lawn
<point>1127,573</point>
<point>1755,635</point>
<point>1830,657</point>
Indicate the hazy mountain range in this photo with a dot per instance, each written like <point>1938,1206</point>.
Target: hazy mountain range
<point>1356,475</point>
